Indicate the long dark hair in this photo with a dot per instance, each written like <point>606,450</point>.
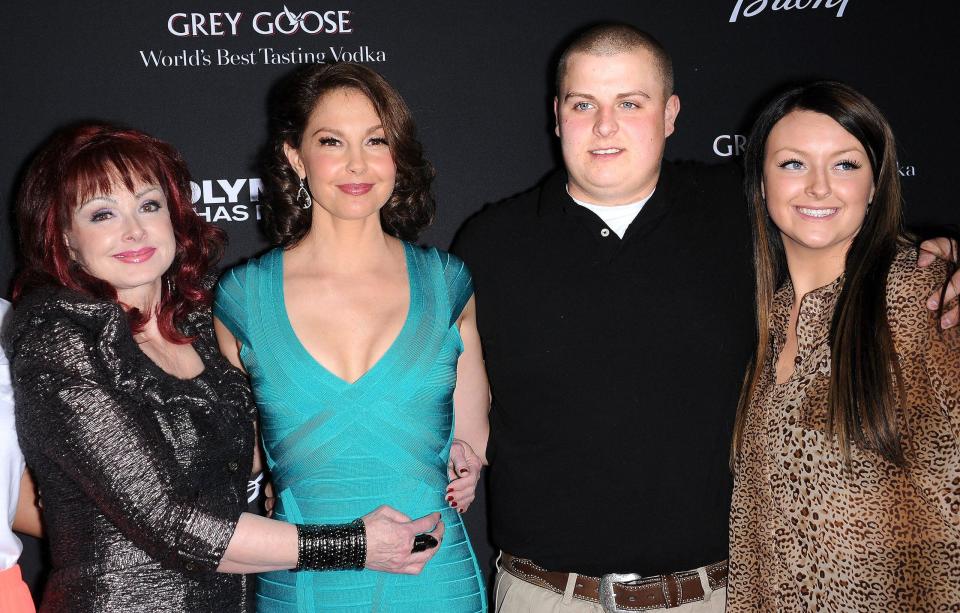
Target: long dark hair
<point>863,396</point>
<point>411,206</point>
<point>86,160</point>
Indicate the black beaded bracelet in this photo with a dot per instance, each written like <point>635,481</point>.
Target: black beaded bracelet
<point>332,547</point>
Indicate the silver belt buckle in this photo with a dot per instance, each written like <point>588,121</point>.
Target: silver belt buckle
<point>608,600</point>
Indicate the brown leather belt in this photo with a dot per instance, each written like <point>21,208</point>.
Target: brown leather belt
<point>635,594</point>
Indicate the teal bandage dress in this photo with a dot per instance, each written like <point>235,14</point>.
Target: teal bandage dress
<point>337,450</point>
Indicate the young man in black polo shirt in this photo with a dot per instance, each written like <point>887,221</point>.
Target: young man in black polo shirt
<point>615,345</point>
<point>615,307</point>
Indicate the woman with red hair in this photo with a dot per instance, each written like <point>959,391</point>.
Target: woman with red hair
<point>140,434</point>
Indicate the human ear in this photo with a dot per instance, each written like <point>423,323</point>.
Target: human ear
<point>556,116</point>
<point>70,250</point>
<point>670,111</point>
<point>293,157</point>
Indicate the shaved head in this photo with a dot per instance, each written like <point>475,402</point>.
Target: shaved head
<point>614,39</point>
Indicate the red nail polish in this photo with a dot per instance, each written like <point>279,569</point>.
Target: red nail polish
<point>449,489</point>
<point>464,471</point>
<point>453,504</point>
<point>449,498</point>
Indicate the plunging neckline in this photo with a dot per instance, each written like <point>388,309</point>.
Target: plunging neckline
<point>308,359</point>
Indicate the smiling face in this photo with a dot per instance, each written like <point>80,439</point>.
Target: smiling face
<point>613,119</point>
<point>817,182</point>
<point>345,157</point>
<point>124,238</point>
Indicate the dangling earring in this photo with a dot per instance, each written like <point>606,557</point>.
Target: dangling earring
<point>170,285</point>
<point>304,201</point>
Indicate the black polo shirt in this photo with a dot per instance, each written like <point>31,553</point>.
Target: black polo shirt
<point>615,367</point>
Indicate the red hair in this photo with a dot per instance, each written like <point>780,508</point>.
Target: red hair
<point>87,160</point>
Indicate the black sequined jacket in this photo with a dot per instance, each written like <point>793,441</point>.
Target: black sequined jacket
<point>142,475</point>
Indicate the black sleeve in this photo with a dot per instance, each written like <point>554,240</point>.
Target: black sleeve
<point>68,411</point>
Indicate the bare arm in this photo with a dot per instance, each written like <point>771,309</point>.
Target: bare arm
<point>471,397</point>
<point>260,544</point>
<point>28,519</point>
<point>229,345</point>
<point>471,400</point>
<point>230,348</point>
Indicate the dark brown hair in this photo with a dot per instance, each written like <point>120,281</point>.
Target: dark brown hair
<point>87,160</point>
<point>411,206</point>
<point>613,39</point>
<point>865,381</point>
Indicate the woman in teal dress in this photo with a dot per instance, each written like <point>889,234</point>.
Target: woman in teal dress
<point>362,347</point>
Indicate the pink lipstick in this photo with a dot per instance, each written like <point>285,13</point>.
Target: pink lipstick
<point>355,189</point>
<point>136,257</point>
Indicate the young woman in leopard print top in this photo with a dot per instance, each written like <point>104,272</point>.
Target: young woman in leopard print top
<point>847,447</point>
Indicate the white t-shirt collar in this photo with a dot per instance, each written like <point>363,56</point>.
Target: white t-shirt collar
<point>618,217</point>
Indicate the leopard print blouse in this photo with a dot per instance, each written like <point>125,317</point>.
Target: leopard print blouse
<point>807,535</point>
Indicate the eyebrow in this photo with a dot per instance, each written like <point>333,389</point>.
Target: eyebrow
<point>636,92</point>
<point>802,152</point>
<point>110,199</point>
<point>337,132</point>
